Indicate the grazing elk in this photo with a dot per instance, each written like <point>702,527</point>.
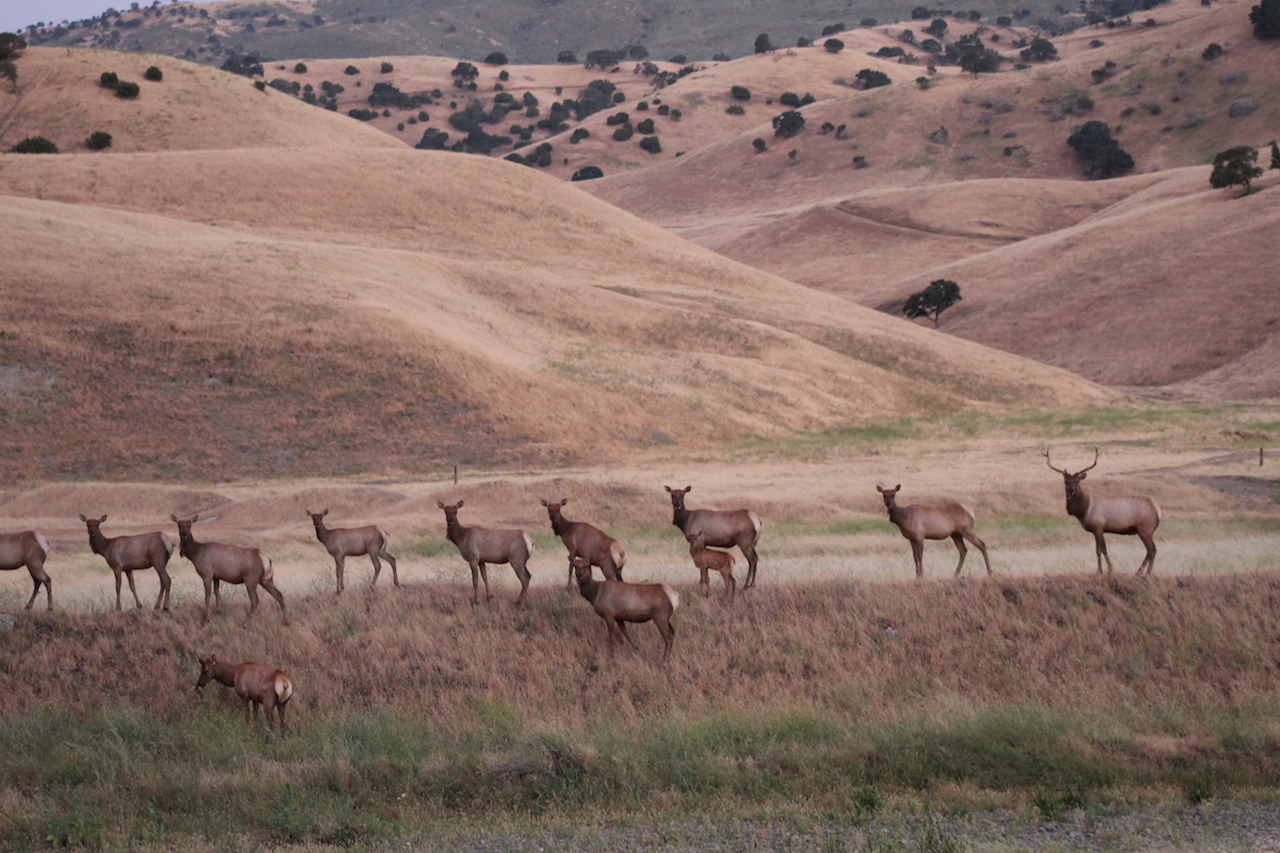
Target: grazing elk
<point>721,528</point>
<point>482,545</point>
<point>934,521</point>
<point>589,541</point>
<point>708,560</point>
<point>1100,514</point>
<point>127,554</point>
<point>619,602</point>
<point>343,542</point>
<point>255,683</point>
<point>29,549</point>
<point>215,563</point>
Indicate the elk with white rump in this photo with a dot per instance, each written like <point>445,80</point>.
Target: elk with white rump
<point>343,542</point>
<point>710,560</point>
<point>127,554</point>
<point>721,528</point>
<point>919,522</point>
<point>215,563</point>
<point>482,545</point>
<point>1099,514</point>
<point>255,683</point>
<point>619,602</point>
<point>589,541</point>
<point>29,549</point>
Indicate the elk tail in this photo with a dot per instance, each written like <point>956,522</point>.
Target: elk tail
<point>673,597</point>
<point>757,524</point>
<point>528,542</point>
<point>284,688</point>
<point>386,539</point>
<point>972,518</point>
<point>43,543</point>
<point>268,568</point>
<point>618,554</point>
<point>168,543</point>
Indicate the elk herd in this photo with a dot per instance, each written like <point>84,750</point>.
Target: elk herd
<point>616,601</point>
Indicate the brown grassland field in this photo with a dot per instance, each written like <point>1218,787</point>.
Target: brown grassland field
<point>250,307</point>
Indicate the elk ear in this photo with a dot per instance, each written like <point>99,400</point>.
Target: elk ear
<point>459,504</point>
<point>104,518</point>
<point>82,518</point>
<point>880,490</point>
<point>563,501</point>
<point>440,504</point>
<point>1081,475</point>
<point>544,503</point>
<point>172,518</point>
<point>323,514</point>
<point>668,488</point>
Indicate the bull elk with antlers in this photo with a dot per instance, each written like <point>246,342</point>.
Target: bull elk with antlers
<point>127,554</point>
<point>482,545</point>
<point>1099,514</point>
<point>589,541</point>
<point>29,549</point>
<point>719,527</point>
<point>919,522</point>
<point>343,542</point>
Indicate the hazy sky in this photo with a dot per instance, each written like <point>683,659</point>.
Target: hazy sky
<point>19,14</point>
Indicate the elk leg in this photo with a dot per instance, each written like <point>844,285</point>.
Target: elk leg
<point>917,553</point>
<point>280,714</point>
<point>569,583</point>
<point>749,551</point>
<point>339,566</point>
<point>960,546</point>
<point>1102,552</point>
<point>704,580</point>
<point>395,572</point>
<point>730,585</point>
<point>377,568</point>
<point>248,718</point>
<point>475,582</point>
<point>622,629</point>
<point>981,546</point>
<point>274,591</point>
<point>217,594</point>
<point>668,632</point>
<point>522,572</point>
<point>252,589</point>
<point>484,576</point>
<point>117,574</point>
<point>137,602</point>
<point>32,600</point>
<point>1150,560</point>
<point>165,583</point>
<point>208,590</point>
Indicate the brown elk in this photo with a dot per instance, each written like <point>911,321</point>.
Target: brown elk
<point>215,563</point>
<point>1100,514</point>
<point>343,542</point>
<point>709,560</point>
<point>29,549</point>
<point>919,522</point>
<point>127,554</point>
<point>619,602</point>
<point>255,683</point>
<point>587,540</point>
<point>721,528</point>
<point>482,545</point>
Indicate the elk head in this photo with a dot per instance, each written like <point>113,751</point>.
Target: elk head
<point>93,523</point>
<point>553,509</point>
<point>1069,480</point>
<point>581,568</point>
<point>184,525</point>
<point>889,495</point>
<point>207,663</point>
<point>677,495</point>
<point>316,517</point>
<point>450,512</point>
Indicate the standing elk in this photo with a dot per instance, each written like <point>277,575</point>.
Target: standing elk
<point>215,563</point>
<point>343,542</point>
<point>255,683</point>
<point>709,560</point>
<point>29,549</point>
<point>589,541</point>
<point>619,602</point>
<point>127,554</point>
<point>1101,514</point>
<point>721,528</point>
<point>482,545</point>
<point>934,521</point>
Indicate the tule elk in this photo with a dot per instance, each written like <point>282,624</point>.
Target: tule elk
<point>721,528</point>
<point>919,522</point>
<point>29,549</point>
<point>1098,514</point>
<point>482,545</point>
<point>343,542</point>
<point>127,554</point>
<point>255,683</point>
<point>710,560</point>
<point>587,540</point>
<point>215,563</point>
<point>619,602</point>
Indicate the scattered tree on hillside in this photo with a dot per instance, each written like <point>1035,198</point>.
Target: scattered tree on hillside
<point>154,74</point>
<point>10,45</point>
<point>788,124</point>
<point>759,144</point>
<point>1266,19</point>
<point>567,57</point>
<point>1235,167</point>
<point>1103,157</point>
<point>937,27</point>
<point>1040,50</point>
<point>9,71</point>
<point>1275,155</point>
<point>872,79</point>
<point>246,66</point>
<point>980,60</point>
<point>464,73</point>
<point>387,67</point>
<point>98,140</point>
<point>740,93</point>
<point>940,295</point>
<point>588,173</point>
<point>496,58</point>
<point>351,69</point>
<point>833,45</point>
<point>1212,52</point>
<point>35,145</point>
<point>763,45</point>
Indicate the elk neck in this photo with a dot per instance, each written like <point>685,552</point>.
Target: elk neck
<point>559,525</point>
<point>589,588</point>
<point>97,541</point>
<point>897,514</point>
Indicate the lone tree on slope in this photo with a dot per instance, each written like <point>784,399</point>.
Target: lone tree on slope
<point>1235,167</point>
<point>940,295</point>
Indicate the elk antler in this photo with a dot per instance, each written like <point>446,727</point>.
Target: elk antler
<point>1045,454</point>
<point>1095,462</point>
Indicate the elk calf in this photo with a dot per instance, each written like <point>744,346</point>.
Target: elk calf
<point>722,528</point>
<point>215,563</point>
<point>934,521</point>
<point>29,549</point>
<point>127,554</point>
<point>482,545</point>
<point>255,683</point>
<point>587,540</point>
<point>709,560</point>
<point>619,602</point>
<point>1099,514</point>
<point>343,542</point>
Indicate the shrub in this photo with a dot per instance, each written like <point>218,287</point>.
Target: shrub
<point>860,161</point>
<point>300,68</point>
<point>789,99</point>
<point>622,134</point>
<point>763,45</point>
<point>736,110</point>
<point>664,109</point>
<point>1241,107</point>
<point>937,27</point>
<point>1212,52</point>
<point>433,140</point>
<point>940,295</point>
<point>504,75</point>
<point>645,126</point>
<point>130,90</point>
<point>10,45</point>
<point>351,69</point>
<point>1041,50</point>
<point>1265,18</point>
<point>833,45</point>
<point>651,144</point>
<point>516,158</point>
<point>154,74</point>
<point>872,79</point>
<point>98,140</point>
<point>496,58</point>
<point>617,119</point>
<point>108,80</point>
<point>642,105</point>
<point>788,124</point>
<point>1102,156</point>
<point>588,173</point>
<point>35,145</point>
<point>759,144</point>
<point>1235,167</point>
<point>740,93</point>
<point>1097,43</point>
<point>923,82</point>
<point>567,57</point>
<point>362,115</point>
